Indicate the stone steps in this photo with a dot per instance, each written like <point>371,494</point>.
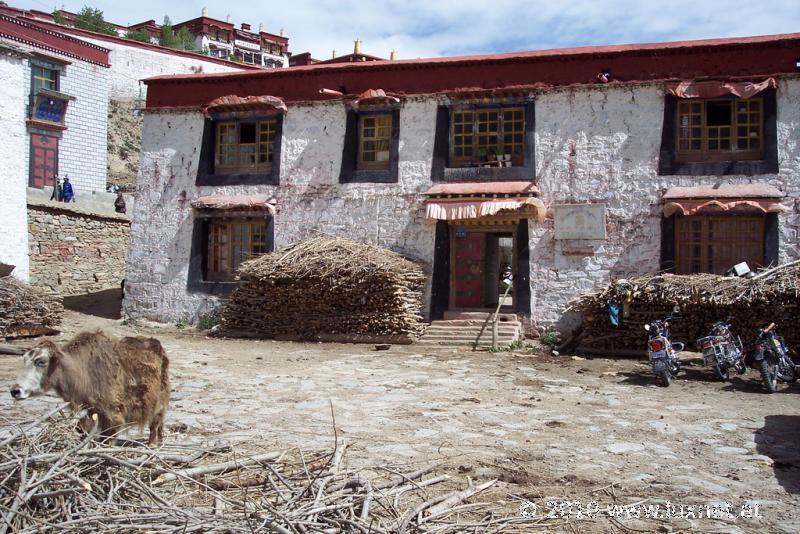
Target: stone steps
<point>471,329</point>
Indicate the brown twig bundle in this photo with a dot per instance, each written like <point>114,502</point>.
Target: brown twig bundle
<point>772,295</point>
<point>55,479</point>
<point>25,310</point>
<point>326,287</point>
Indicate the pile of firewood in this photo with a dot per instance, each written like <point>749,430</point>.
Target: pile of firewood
<point>327,288</point>
<point>772,295</point>
<point>27,311</point>
<point>56,480</point>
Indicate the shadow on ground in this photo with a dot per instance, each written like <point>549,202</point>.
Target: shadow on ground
<point>106,304</point>
<point>780,440</point>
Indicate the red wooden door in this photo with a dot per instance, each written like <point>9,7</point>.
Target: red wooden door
<point>44,160</point>
<point>468,270</point>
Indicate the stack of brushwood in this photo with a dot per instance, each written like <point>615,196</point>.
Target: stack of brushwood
<point>27,311</point>
<point>57,480</point>
<point>327,288</point>
<point>772,295</point>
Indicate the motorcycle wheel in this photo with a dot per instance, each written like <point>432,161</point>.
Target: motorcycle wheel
<point>769,375</point>
<point>665,378</point>
<point>787,372</point>
<point>722,372</point>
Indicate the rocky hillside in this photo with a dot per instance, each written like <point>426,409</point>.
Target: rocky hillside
<point>124,142</point>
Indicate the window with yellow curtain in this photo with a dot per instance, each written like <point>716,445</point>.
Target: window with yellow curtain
<point>375,133</point>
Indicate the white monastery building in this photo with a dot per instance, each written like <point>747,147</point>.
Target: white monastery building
<point>570,166</point>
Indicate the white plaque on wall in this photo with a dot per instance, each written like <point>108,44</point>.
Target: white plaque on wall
<point>580,221</point>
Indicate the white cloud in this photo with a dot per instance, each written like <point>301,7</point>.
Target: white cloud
<point>424,28</point>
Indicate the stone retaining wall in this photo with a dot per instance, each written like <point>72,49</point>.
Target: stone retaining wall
<point>74,251</point>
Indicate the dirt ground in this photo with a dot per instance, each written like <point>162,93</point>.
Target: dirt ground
<point>593,433</point>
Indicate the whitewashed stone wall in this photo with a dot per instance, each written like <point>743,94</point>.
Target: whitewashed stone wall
<point>14,176</point>
<point>602,145</point>
<point>599,145</point>
<point>82,150</point>
<point>130,64</point>
<point>309,199</point>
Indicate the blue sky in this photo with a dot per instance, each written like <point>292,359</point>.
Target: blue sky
<point>425,28</point>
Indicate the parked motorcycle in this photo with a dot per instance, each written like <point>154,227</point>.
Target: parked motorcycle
<point>771,357</point>
<point>722,350</point>
<point>663,353</point>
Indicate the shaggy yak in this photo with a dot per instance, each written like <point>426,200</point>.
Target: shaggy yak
<point>123,381</point>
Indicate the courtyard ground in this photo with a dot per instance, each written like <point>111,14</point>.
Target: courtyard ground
<point>554,430</point>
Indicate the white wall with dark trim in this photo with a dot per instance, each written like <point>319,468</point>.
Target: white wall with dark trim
<point>14,177</point>
<point>597,145</point>
<point>309,199</point>
<point>601,145</point>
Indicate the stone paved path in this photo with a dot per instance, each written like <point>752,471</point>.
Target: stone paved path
<point>550,429</point>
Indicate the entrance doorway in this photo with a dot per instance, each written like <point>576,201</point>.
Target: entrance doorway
<point>481,256</point>
<point>44,160</point>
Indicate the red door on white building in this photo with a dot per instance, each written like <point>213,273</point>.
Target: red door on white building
<point>44,160</point>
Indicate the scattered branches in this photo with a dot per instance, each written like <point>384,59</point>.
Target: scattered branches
<point>26,310</point>
<point>56,479</point>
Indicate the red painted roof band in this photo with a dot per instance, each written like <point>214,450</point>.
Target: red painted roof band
<point>34,34</point>
<point>723,58</point>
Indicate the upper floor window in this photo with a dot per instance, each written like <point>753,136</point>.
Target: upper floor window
<point>487,137</point>
<point>245,147</point>
<point>43,78</point>
<point>371,148</point>
<point>729,129</point>
<point>375,132</point>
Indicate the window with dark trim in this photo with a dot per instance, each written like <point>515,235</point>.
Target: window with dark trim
<point>481,142</point>
<point>238,151</point>
<point>371,146</point>
<point>221,241</point>
<point>719,136</point>
<point>714,244</point>
<point>720,129</point>
<point>374,138</point>
<point>230,242</point>
<point>489,137</point>
<point>246,147</point>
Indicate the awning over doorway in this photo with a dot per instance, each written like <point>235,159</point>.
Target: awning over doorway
<point>726,198</point>
<point>235,203</point>
<point>234,103</point>
<point>451,202</point>
<point>715,89</point>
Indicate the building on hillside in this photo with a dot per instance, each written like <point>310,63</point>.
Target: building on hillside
<point>224,40</point>
<point>215,38</point>
<point>55,102</point>
<point>150,27</point>
<point>357,56</point>
<point>568,166</point>
<point>68,17</point>
<point>304,59</point>
<point>57,84</point>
